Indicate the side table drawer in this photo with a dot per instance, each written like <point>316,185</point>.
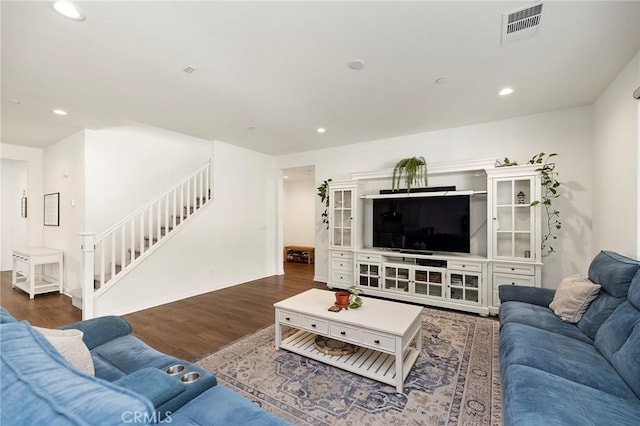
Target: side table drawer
<point>294,319</point>
<point>315,325</point>
<point>345,333</point>
<point>369,257</point>
<point>379,341</point>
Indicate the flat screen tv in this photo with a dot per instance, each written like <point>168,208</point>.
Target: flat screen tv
<point>422,224</point>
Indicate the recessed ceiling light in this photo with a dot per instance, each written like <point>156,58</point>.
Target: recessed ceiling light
<point>60,112</point>
<point>68,10</point>
<point>506,91</point>
<point>251,129</point>
<point>285,177</point>
<point>321,130</point>
<point>356,64</point>
<point>14,101</point>
<point>441,80</point>
<point>189,69</point>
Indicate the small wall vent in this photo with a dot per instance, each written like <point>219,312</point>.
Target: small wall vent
<point>521,23</point>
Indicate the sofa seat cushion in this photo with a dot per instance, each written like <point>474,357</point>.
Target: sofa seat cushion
<point>561,356</point>
<point>535,397</point>
<point>222,406</point>
<point>539,317</point>
<point>39,387</point>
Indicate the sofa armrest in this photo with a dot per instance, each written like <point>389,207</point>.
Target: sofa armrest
<point>98,331</point>
<point>519,293</point>
<point>152,383</point>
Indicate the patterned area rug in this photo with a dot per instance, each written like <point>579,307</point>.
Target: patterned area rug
<point>455,381</point>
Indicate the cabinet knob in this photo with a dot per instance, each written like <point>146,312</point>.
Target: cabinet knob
<point>377,342</point>
<point>313,325</point>
<point>343,333</point>
<point>341,264</point>
<point>513,269</point>
<point>287,318</point>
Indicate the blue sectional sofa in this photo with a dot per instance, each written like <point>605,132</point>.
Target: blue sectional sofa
<point>131,383</point>
<point>587,373</point>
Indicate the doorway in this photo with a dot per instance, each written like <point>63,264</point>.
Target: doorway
<point>298,214</point>
<point>13,226</point>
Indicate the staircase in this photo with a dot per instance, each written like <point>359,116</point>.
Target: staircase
<point>110,256</point>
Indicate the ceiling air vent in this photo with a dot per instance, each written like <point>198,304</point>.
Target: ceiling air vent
<point>521,23</point>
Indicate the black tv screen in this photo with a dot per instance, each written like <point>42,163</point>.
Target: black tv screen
<point>422,224</point>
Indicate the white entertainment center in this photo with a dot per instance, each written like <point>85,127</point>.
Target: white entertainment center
<point>504,242</point>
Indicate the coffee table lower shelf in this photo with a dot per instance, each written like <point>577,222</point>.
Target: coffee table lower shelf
<point>370,363</point>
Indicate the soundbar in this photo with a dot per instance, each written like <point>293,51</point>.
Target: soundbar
<point>428,189</point>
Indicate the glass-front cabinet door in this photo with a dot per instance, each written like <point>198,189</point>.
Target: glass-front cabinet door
<point>342,217</point>
<point>369,275</point>
<point>464,287</point>
<point>396,278</point>
<point>513,218</point>
<point>429,282</point>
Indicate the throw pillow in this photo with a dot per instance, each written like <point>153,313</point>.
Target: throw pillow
<point>572,297</point>
<point>70,345</point>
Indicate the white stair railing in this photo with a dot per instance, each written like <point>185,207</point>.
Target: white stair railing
<point>115,252</point>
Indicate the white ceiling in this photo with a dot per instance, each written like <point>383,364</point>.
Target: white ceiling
<point>281,67</point>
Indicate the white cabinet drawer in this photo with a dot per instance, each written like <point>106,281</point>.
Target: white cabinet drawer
<point>342,277</point>
<point>286,317</point>
<point>345,333</point>
<point>315,325</point>
<point>464,266</point>
<point>369,257</point>
<point>378,341</point>
<point>511,279</point>
<point>342,264</point>
<point>513,269</point>
<point>342,254</point>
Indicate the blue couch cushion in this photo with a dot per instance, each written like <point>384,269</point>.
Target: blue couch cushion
<point>619,338</point>
<point>539,317</point>
<point>127,354</point>
<point>98,331</point>
<point>614,273</point>
<point>39,387</point>
<point>535,397</point>
<point>561,356</point>
<point>5,316</point>
<point>222,406</point>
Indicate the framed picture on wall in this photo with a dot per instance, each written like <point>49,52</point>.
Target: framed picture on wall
<point>52,209</point>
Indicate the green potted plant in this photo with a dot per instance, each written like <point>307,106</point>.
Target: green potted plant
<point>414,170</point>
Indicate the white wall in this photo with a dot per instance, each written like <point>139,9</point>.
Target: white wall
<point>298,212</point>
<point>64,172</point>
<point>33,157</point>
<point>231,241</point>
<point>567,132</point>
<point>13,227</point>
<point>130,165</point>
<point>614,168</point>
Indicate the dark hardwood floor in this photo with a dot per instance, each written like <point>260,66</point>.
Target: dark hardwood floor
<point>187,329</point>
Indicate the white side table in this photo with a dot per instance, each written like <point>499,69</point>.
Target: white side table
<point>33,280</point>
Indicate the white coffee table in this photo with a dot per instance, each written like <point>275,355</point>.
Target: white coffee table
<point>389,334</point>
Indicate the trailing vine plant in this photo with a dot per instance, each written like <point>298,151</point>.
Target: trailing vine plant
<point>415,172</point>
<point>323,193</point>
<point>550,185</point>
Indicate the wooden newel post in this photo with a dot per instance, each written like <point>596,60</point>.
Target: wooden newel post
<point>88,248</point>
